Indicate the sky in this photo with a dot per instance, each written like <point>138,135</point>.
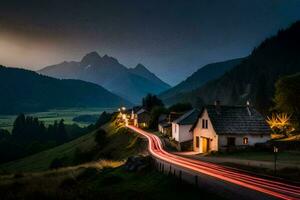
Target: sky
<point>171,38</point>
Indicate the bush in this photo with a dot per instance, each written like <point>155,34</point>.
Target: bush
<point>100,137</point>
<point>56,163</point>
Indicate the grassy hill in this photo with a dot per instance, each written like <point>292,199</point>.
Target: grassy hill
<point>121,143</point>
<point>101,179</point>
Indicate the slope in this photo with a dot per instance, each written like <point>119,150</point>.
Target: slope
<point>200,77</point>
<point>254,78</point>
<point>27,91</point>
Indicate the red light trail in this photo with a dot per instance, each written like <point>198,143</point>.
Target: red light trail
<point>270,187</point>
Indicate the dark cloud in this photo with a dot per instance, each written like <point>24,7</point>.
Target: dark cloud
<point>167,36</point>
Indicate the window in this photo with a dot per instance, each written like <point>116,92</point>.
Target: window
<point>204,123</point>
<point>245,140</point>
<point>230,141</point>
<point>197,142</point>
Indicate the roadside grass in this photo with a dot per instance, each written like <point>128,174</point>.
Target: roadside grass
<point>288,173</point>
<point>100,183</point>
<point>292,157</point>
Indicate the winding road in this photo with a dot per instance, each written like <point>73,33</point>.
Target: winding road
<point>271,188</point>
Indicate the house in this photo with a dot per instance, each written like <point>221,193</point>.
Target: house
<point>181,128</point>
<point>165,123</point>
<point>220,128</point>
<point>142,118</point>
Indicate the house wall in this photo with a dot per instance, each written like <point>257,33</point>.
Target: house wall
<point>181,133</point>
<point>252,139</point>
<point>205,133</point>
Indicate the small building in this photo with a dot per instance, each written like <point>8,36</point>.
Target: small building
<point>142,118</point>
<point>165,123</point>
<point>181,128</point>
<point>221,128</point>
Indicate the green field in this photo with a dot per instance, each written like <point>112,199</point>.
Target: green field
<point>6,121</point>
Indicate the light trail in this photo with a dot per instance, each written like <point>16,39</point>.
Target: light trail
<point>270,187</point>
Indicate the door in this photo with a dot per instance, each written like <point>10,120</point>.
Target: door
<point>205,143</point>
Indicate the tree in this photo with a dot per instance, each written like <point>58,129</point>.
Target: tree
<point>287,96</point>
<point>100,137</point>
<point>18,127</point>
<point>180,107</point>
<point>154,115</point>
<point>150,101</point>
<point>61,132</point>
<point>280,124</point>
<point>103,119</point>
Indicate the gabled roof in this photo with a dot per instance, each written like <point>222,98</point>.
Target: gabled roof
<point>188,118</point>
<point>142,110</point>
<point>236,120</point>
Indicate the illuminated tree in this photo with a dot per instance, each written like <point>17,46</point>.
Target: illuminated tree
<point>280,123</point>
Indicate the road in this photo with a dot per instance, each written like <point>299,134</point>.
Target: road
<point>272,188</point>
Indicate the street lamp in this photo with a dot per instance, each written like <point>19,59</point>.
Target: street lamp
<point>275,150</point>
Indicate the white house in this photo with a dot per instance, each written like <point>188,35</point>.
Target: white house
<point>181,126</point>
<point>223,127</point>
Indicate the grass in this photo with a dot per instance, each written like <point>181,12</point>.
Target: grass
<point>41,161</point>
<point>286,156</point>
<point>100,183</point>
<point>6,121</point>
<point>121,143</point>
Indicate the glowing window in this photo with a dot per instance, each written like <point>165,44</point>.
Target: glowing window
<point>245,140</point>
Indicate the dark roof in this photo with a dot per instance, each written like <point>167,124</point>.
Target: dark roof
<point>165,124</point>
<point>188,118</point>
<point>236,120</point>
<point>142,110</point>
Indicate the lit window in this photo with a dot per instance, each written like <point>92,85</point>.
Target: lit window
<point>245,140</point>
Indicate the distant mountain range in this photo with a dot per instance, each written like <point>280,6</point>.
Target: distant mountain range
<point>254,78</point>
<point>27,91</point>
<point>129,83</point>
<point>199,78</point>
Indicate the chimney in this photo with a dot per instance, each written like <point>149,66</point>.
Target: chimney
<point>218,106</point>
<point>248,108</point>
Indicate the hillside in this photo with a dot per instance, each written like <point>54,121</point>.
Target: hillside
<point>254,78</point>
<point>132,84</point>
<point>26,91</point>
<point>197,79</point>
<point>122,144</point>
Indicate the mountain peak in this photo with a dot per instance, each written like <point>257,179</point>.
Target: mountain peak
<point>141,68</point>
<point>91,57</point>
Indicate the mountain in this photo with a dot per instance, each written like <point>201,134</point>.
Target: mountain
<point>132,84</point>
<point>27,91</point>
<point>198,78</point>
<point>254,78</point>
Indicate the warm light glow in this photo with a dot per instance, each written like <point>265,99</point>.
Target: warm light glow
<point>234,176</point>
<point>280,123</point>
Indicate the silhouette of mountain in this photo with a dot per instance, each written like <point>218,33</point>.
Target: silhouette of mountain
<point>198,78</point>
<point>27,91</point>
<point>132,84</point>
<point>254,78</point>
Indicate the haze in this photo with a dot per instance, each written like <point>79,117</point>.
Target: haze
<point>171,38</point>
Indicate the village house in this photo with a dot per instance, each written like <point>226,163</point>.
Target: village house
<point>142,118</point>
<point>165,123</point>
<point>181,128</point>
<point>220,128</point>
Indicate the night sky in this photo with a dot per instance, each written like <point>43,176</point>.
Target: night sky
<point>171,38</point>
